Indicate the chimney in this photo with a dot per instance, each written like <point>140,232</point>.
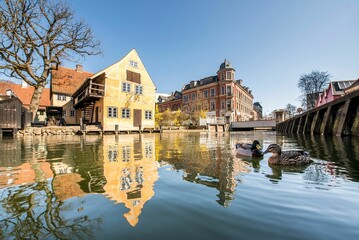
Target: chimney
<point>79,68</point>
<point>9,93</point>
<point>24,84</point>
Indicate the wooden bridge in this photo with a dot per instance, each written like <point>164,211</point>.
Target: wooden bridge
<point>339,117</point>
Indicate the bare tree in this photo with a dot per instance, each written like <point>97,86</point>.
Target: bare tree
<point>290,109</point>
<point>311,85</point>
<point>35,36</point>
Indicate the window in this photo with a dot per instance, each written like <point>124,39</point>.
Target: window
<point>125,113</point>
<point>213,106</point>
<point>112,112</point>
<point>222,76</point>
<point>126,87</point>
<point>72,113</point>
<point>61,97</point>
<point>222,90</point>
<point>193,96</point>
<point>229,90</point>
<point>64,113</point>
<point>138,89</point>
<point>133,77</point>
<point>229,105</point>
<point>222,106</point>
<point>205,94</point>
<point>133,64</point>
<point>213,92</point>
<point>148,114</point>
<point>229,75</point>
<point>185,98</point>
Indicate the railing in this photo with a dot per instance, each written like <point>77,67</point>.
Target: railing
<point>217,120</point>
<point>91,90</point>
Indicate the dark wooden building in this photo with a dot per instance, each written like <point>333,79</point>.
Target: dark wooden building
<point>13,115</point>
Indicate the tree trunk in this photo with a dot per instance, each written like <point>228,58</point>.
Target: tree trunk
<point>35,100</point>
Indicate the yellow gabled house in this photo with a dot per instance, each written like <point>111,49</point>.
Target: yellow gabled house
<point>120,97</point>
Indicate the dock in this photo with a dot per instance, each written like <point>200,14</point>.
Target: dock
<point>339,117</point>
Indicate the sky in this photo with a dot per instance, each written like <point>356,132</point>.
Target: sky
<point>270,43</point>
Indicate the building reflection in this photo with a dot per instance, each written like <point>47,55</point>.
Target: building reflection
<point>130,169</point>
<point>36,184</point>
<point>205,159</point>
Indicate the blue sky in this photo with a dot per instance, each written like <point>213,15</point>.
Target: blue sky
<point>270,43</point>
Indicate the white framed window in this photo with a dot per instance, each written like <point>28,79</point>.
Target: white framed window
<point>213,92</point>
<point>229,104</point>
<point>229,75</point>
<point>64,113</point>
<point>213,106</point>
<point>222,104</point>
<point>112,112</point>
<point>61,97</point>
<point>229,90</point>
<point>133,64</point>
<point>125,113</point>
<point>222,90</point>
<point>72,113</point>
<point>138,89</point>
<point>148,114</point>
<point>193,96</point>
<point>185,98</point>
<point>205,94</point>
<point>126,87</point>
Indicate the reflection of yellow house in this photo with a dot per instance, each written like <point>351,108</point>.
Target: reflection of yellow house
<point>120,97</point>
<point>130,169</point>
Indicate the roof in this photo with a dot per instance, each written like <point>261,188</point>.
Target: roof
<point>353,87</point>
<point>225,64</point>
<point>67,80</point>
<point>339,86</point>
<point>24,93</point>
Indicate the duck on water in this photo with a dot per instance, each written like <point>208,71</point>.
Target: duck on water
<point>249,149</point>
<point>287,158</point>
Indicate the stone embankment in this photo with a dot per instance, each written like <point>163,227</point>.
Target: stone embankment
<point>58,130</point>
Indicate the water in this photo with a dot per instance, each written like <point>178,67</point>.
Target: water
<point>176,186</point>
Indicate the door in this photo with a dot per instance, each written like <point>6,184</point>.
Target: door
<point>137,118</point>
<point>96,114</point>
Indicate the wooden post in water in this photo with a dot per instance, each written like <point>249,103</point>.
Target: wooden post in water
<point>314,122</point>
<point>305,123</point>
<point>342,118</point>
<point>300,125</point>
<point>325,120</point>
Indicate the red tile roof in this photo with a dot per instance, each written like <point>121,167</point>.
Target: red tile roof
<point>66,80</point>
<point>25,93</point>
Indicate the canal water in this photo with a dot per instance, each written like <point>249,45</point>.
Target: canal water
<point>176,186</point>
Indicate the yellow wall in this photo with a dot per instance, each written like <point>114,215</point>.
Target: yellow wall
<point>114,97</point>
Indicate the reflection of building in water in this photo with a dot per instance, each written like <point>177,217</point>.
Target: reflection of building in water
<point>206,159</point>
<point>130,169</point>
<point>24,174</point>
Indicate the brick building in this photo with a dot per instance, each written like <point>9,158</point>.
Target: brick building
<point>219,95</point>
